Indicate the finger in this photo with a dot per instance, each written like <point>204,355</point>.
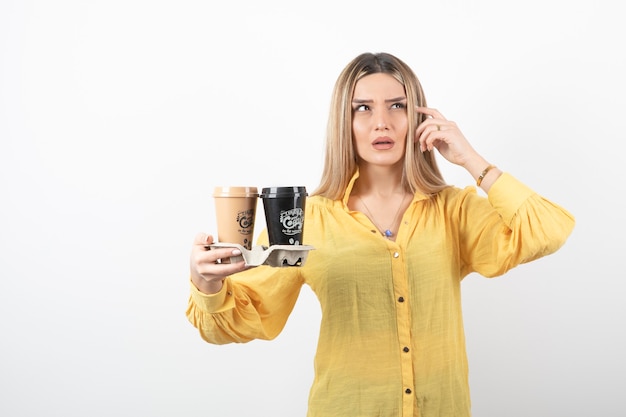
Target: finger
<point>432,123</point>
<point>434,113</point>
<point>231,268</point>
<point>212,272</point>
<point>217,255</point>
<point>221,270</point>
<point>427,134</point>
<point>427,142</point>
<point>432,126</point>
<point>203,239</point>
<point>208,255</point>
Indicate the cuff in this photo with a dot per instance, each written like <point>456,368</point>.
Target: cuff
<point>507,195</point>
<point>214,303</point>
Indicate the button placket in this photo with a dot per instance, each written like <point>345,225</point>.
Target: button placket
<point>400,284</point>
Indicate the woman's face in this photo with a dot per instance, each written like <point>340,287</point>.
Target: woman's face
<point>380,121</point>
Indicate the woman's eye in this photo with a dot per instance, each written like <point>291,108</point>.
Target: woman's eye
<point>398,106</point>
<point>361,107</point>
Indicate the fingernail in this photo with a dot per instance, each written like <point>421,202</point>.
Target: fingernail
<point>236,252</point>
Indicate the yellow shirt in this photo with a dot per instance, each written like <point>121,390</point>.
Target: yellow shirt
<point>391,339</point>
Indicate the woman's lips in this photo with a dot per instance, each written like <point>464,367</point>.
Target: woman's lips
<point>383,143</point>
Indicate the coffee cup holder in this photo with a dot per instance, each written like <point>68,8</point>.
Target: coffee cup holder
<point>275,255</point>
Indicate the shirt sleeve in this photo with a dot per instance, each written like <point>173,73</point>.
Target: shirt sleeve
<point>253,304</point>
<point>512,226</point>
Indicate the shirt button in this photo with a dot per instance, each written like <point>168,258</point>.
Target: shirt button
<point>406,349</point>
<point>401,299</point>
<point>396,254</point>
<point>408,390</point>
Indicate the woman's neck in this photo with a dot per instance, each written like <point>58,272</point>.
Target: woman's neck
<point>378,182</point>
<point>378,194</point>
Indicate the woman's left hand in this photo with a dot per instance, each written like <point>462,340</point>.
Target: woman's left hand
<point>444,135</point>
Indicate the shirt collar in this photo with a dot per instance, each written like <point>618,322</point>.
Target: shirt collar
<point>416,197</point>
<point>346,195</point>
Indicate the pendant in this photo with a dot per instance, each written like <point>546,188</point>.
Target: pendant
<point>388,233</point>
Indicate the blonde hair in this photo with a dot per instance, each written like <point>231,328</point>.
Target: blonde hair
<point>420,170</point>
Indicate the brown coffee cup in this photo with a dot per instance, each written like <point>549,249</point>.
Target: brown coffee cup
<point>235,208</point>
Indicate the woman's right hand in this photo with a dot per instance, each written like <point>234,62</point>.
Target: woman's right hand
<point>207,271</point>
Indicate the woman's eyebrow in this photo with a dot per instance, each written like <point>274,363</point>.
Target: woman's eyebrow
<point>401,98</point>
<point>389,100</point>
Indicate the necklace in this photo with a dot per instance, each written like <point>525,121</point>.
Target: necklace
<point>387,233</point>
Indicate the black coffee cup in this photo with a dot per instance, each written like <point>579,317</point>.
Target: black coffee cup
<point>284,214</point>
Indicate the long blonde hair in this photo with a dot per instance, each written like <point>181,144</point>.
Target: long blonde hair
<point>420,170</point>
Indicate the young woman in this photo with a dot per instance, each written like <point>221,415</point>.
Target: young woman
<point>392,243</point>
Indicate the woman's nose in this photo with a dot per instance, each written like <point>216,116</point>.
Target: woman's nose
<point>381,121</point>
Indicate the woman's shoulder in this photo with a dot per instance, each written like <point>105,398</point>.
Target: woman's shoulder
<point>454,191</point>
<point>320,202</point>
<point>453,196</point>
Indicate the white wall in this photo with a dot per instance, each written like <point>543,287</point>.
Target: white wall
<point>117,118</point>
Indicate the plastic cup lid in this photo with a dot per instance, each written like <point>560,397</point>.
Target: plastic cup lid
<point>235,192</point>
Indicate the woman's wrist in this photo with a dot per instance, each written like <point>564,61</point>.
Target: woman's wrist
<point>484,172</point>
<point>206,286</point>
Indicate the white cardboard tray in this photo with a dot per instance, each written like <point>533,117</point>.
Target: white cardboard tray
<point>275,255</point>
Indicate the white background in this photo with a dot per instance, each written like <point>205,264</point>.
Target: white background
<point>117,119</point>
